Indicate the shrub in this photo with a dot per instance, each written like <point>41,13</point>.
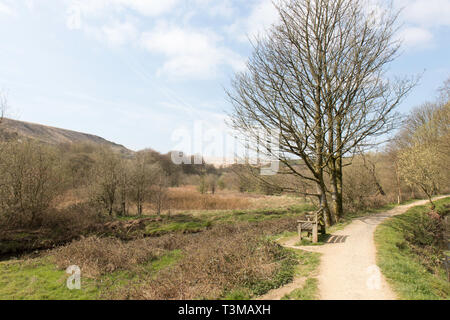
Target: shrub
<point>98,256</point>
<point>222,259</point>
<point>30,179</point>
<point>427,240</point>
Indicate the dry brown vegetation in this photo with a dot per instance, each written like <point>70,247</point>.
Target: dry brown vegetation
<point>224,258</point>
<point>213,263</point>
<point>188,198</point>
<point>99,256</point>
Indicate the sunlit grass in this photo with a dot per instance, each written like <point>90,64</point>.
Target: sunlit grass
<point>401,266</point>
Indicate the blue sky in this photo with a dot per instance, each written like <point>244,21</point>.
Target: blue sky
<point>136,72</point>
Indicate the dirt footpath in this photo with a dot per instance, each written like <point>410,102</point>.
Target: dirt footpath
<point>348,268</point>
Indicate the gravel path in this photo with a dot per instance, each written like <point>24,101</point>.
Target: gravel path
<point>348,268</point>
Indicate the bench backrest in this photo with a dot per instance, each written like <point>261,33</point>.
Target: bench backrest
<point>316,217</point>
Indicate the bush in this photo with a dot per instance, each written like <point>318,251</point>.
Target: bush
<point>427,239</point>
<point>30,179</point>
<point>222,259</point>
<point>98,256</point>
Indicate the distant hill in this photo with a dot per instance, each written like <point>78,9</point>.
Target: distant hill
<point>13,129</point>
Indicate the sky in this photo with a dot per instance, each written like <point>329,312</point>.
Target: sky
<point>148,73</point>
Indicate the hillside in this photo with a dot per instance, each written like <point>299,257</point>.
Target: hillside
<point>21,129</point>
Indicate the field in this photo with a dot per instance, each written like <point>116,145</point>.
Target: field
<point>220,253</point>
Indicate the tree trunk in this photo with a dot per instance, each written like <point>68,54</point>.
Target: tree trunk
<point>399,188</point>
<point>429,196</point>
<point>124,209</point>
<point>337,175</point>
<point>323,204</point>
<point>334,190</point>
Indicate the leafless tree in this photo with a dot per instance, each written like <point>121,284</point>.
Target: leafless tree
<point>159,195</point>
<point>3,106</point>
<point>106,176</point>
<point>318,80</point>
<point>143,177</point>
<point>444,91</point>
<point>30,179</point>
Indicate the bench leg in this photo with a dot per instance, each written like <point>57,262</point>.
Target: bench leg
<point>299,229</point>
<point>315,237</point>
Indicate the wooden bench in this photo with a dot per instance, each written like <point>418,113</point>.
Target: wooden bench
<point>312,224</point>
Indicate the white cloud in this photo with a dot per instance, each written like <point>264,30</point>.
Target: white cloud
<point>420,20</point>
<point>148,7</point>
<point>144,7</point>
<point>6,10</point>
<point>73,20</point>
<point>189,53</point>
<point>120,33</point>
<point>80,11</point>
<point>222,8</point>
<point>262,15</point>
<point>428,13</point>
<point>416,37</point>
<point>423,19</point>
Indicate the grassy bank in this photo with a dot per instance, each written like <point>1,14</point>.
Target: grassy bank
<point>408,257</point>
<point>40,278</point>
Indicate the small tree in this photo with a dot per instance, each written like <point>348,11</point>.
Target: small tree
<point>159,190</point>
<point>124,187</point>
<point>211,182</point>
<point>106,179</point>
<point>143,175</point>
<point>420,167</point>
<point>3,106</point>
<point>203,185</point>
<point>30,179</point>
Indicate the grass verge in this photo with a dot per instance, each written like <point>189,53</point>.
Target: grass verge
<point>308,292</point>
<point>40,279</point>
<point>401,265</point>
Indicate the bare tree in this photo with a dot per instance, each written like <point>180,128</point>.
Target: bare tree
<point>444,91</point>
<point>159,195</point>
<point>30,179</point>
<point>371,168</point>
<point>3,106</point>
<point>143,176</point>
<point>106,180</point>
<point>318,79</point>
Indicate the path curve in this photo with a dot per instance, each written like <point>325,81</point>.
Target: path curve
<point>348,269</point>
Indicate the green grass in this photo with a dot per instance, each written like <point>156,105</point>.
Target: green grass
<point>401,266</point>
<point>307,267</point>
<point>307,292</point>
<point>39,279</point>
<point>155,229</point>
<point>296,263</point>
<point>195,222</point>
